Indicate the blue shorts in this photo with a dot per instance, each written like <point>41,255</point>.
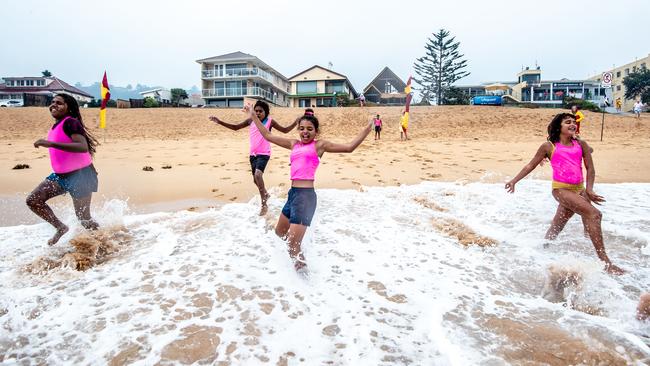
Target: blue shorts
<point>79,183</point>
<point>258,162</point>
<point>300,206</point>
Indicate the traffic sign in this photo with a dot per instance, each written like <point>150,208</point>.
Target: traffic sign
<point>606,80</point>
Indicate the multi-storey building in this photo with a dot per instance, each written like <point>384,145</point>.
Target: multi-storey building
<point>619,73</point>
<point>319,87</point>
<point>228,80</point>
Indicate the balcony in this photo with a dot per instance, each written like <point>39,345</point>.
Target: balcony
<point>244,92</point>
<point>244,73</point>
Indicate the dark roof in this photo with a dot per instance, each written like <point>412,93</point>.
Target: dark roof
<point>56,85</point>
<point>228,56</point>
<point>386,72</point>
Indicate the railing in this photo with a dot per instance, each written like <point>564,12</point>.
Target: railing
<point>244,72</point>
<point>244,92</point>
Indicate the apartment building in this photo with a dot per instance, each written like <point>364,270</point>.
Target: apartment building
<point>619,73</point>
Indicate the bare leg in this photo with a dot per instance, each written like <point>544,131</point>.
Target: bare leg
<point>294,239</point>
<point>82,209</point>
<point>282,227</point>
<point>592,218</point>
<point>562,216</point>
<point>643,310</point>
<point>258,178</point>
<point>36,201</point>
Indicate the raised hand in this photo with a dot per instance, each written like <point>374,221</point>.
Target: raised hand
<point>510,187</point>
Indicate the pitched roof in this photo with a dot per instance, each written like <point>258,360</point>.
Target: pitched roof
<point>56,85</point>
<point>388,73</point>
<point>62,85</point>
<point>320,67</point>
<point>228,56</point>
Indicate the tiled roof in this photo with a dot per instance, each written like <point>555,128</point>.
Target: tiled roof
<point>56,85</point>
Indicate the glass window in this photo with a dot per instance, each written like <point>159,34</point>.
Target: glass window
<point>627,72</point>
<point>618,74</point>
<point>618,88</point>
<point>306,87</point>
<point>235,69</point>
<point>235,103</point>
<point>304,102</point>
<point>335,86</point>
<point>643,66</point>
<point>40,82</point>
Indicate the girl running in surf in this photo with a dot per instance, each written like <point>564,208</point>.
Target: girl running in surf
<point>306,152</point>
<point>71,149</point>
<point>567,154</point>
<point>260,149</point>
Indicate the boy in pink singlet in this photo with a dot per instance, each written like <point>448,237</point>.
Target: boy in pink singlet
<point>260,149</point>
<point>71,149</point>
<point>306,152</point>
<point>567,154</point>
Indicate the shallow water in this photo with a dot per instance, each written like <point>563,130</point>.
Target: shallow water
<point>432,274</point>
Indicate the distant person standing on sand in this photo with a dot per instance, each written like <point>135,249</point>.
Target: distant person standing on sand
<point>362,100</point>
<point>378,124</point>
<point>260,149</point>
<point>567,154</point>
<point>579,116</point>
<point>638,107</point>
<point>306,153</point>
<point>403,126</point>
<point>71,148</point>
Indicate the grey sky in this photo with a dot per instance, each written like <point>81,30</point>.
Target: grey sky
<point>157,42</point>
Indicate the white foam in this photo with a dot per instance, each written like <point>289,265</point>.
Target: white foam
<point>399,291</point>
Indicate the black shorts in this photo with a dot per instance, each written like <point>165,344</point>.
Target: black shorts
<point>377,128</point>
<point>258,162</point>
<point>79,183</point>
<point>300,206</point>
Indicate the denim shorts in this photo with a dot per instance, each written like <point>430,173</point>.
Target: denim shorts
<point>300,206</point>
<point>258,162</point>
<point>79,183</point>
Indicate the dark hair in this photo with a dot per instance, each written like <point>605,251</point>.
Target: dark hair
<point>73,111</point>
<point>575,105</point>
<point>555,126</point>
<point>309,112</point>
<point>312,119</point>
<point>264,106</point>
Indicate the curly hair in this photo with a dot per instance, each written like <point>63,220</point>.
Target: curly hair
<point>555,127</point>
<point>73,111</point>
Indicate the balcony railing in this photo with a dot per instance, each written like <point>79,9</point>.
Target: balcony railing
<point>245,92</point>
<point>244,72</point>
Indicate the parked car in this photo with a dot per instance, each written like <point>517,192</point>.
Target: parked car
<point>11,103</point>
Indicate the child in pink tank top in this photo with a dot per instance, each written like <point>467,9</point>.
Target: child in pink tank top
<point>71,147</point>
<point>259,148</point>
<point>567,156</point>
<point>306,153</point>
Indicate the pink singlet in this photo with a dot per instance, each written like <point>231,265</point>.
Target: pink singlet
<point>259,145</point>
<point>304,161</point>
<point>567,164</point>
<point>65,161</point>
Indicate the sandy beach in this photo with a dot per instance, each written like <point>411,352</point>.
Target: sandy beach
<point>208,164</point>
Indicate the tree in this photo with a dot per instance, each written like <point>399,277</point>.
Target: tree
<point>455,96</point>
<point>149,102</point>
<point>46,73</point>
<point>638,84</point>
<point>178,95</point>
<point>440,67</point>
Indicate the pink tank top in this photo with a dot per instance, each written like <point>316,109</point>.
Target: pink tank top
<point>65,161</point>
<point>567,163</point>
<point>304,161</point>
<point>259,145</point>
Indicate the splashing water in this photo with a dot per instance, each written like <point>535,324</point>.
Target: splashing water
<point>432,274</point>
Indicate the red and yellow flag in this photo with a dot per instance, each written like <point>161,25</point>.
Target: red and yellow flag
<point>404,121</point>
<point>106,96</point>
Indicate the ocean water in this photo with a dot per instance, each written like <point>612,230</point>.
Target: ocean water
<point>430,274</point>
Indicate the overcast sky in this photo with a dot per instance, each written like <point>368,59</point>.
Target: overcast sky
<point>158,42</point>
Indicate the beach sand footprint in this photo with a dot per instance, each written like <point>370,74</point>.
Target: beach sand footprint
<point>463,233</point>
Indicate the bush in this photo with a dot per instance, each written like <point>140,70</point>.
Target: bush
<point>581,103</point>
<point>149,102</point>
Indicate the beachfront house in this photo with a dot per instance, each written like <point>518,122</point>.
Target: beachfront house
<point>318,87</point>
<point>531,88</point>
<point>618,74</point>
<point>231,79</point>
<point>39,90</point>
<point>160,95</point>
<point>386,89</point>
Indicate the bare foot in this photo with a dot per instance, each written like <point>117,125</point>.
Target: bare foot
<point>59,233</point>
<point>264,209</point>
<point>612,269</point>
<point>90,224</point>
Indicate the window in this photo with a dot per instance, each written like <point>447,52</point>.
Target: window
<point>29,82</point>
<point>40,82</point>
<point>304,103</point>
<point>21,82</point>
<point>618,88</point>
<point>627,72</point>
<point>335,86</point>
<point>618,74</point>
<point>389,89</point>
<point>306,87</point>
<point>235,69</point>
<point>643,66</point>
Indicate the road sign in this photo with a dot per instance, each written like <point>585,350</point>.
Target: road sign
<point>606,80</point>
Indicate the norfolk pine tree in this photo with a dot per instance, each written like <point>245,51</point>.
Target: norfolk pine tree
<point>441,66</point>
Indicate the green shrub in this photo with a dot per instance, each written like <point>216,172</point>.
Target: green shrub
<point>581,103</point>
<point>149,102</point>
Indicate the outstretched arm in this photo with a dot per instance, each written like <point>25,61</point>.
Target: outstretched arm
<point>231,126</point>
<point>287,129</point>
<point>327,146</point>
<point>591,173</point>
<point>79,144</point>
<point>543,151</point>
<point>280,141</point>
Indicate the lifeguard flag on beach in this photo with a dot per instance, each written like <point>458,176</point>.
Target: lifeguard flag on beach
<point>405,118</point>
<point>106,96</point>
